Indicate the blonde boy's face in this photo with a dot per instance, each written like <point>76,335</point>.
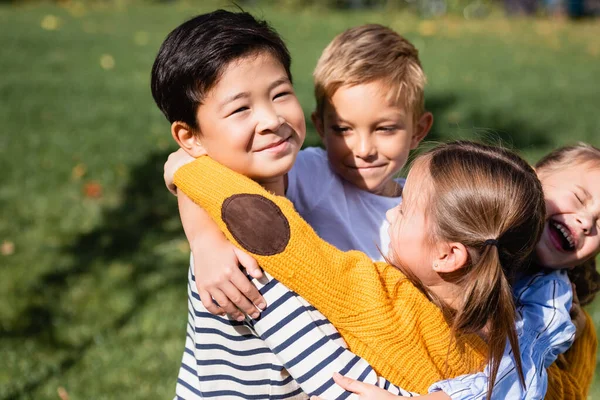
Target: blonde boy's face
<point>571,234</point>
<point>367,137</point>
<point>251,121</point>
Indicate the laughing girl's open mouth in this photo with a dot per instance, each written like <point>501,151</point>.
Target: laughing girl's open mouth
<point>561,235</point>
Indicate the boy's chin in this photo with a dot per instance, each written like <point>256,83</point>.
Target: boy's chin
<point>273,172</point>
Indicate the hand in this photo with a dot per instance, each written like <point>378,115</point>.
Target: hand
<point>219,277</point>
<point>175,161</point>
<point>577,315</point>
<point>366,391</point>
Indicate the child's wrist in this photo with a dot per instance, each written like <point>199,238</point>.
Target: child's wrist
<point>204,242</point>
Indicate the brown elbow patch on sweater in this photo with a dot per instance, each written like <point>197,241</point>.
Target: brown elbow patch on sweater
<point>257,223</point>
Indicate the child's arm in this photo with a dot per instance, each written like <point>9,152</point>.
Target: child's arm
<point>215,259</point>
<point>253,218</point>
<point>216,265</point>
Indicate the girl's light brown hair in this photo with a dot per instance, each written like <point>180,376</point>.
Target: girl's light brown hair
<point>567,156</point>
<point>490,200</point>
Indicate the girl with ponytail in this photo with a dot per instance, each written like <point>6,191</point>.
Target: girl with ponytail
<point>443,305</point>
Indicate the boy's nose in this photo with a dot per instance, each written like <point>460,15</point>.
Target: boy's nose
<point>365,148</point>
<point>269,121</point>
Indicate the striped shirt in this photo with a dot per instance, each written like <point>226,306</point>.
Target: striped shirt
<point>292,350</point>
<point>224,358</point>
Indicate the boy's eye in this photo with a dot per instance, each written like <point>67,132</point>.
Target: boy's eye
<point>282,94</point>
<point>578,198</point>
<point>386,129</point>
<point>239,110</point>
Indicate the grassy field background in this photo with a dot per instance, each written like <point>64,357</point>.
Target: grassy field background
<point>93,260</point>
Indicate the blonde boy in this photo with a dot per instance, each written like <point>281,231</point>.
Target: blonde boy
<point>369,90</point>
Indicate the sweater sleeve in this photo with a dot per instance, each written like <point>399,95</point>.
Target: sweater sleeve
<point>345,286</point>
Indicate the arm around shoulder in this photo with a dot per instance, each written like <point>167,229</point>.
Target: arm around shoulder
<point>269,228</point>
<point>216,265</point>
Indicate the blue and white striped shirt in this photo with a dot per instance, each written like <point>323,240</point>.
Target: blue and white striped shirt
<point>257,359</point>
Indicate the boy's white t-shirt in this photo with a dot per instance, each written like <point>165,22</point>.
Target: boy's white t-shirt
<point>342,214</point>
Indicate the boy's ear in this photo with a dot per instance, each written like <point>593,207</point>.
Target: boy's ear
<point>318,123</point>
<point>422,129</point>
<point>450,257</point>
<point>186,139</point>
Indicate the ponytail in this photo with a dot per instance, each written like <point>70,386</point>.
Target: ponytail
<point>491,201</point>
<point>488,303</point>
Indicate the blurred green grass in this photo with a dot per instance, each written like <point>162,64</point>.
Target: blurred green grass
<point>92,254</point>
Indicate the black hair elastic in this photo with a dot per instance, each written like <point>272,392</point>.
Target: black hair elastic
<point>491,242</point>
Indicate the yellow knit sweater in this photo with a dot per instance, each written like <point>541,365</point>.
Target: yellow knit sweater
<point>571,376</point>
<point>382,316</point>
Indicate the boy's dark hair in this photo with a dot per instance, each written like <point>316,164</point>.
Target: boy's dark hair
<point>194,55</point>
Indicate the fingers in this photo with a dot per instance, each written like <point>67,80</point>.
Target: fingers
<point>209,304</point>
<point>246,287</point>
<point>175,161</point>
<point>168,178</point>
<point>249,293</point>
<point>227,305</point>
<point>349,384</point>
<point>169,172</point>
<point>239,299</point>
<point>248,262</point>
<point>173,189</point>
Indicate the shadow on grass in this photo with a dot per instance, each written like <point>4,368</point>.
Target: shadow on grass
<point>147,217</point>
<point>493,126</point>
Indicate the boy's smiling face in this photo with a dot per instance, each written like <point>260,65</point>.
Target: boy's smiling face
<point>251,120</point>
<point>571,234</point>
<point>368,137</point>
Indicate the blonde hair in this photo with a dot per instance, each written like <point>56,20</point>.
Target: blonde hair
<point>490,200</point>
<point>369,53</point>
<point>567,156</point>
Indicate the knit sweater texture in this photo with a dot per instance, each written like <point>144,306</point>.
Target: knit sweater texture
<point>570,377</point>
<point>382,316</point>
